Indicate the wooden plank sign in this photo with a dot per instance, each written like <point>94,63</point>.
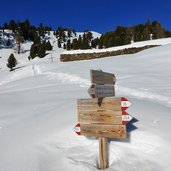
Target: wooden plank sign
<point>106,131</point>
<point>112,103</point>
<point>100,77</point>
<point>98,91</point>
<point>104,117</point>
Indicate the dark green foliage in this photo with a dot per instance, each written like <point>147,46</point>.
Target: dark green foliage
<point>94,43</point>
<point>64,46</point>
<point>75,44</point>
<point>48,45</point>
<point>68,46</point>
<point>120,36</point>
<point>33,51</point>
<point>38,50</point>
<point>12,62</point>
<point>8,43</point>
<point>69,33</point>
<point>5,26</point>
<point>157,30</point>
<point>12,25</point>
<point>41,50</point>
<point>168,33</point>
<point>41,30</point>
<point>59,43</point>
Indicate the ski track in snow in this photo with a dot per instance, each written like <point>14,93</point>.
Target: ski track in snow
<point>75,79</point>
<point>68,78</point>
<point>164,100</point>
<point>21,74</point>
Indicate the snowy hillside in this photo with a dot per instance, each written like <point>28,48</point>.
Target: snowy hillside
<point>38,112</point>
<point>163,41</point>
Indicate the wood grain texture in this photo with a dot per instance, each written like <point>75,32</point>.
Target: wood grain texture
<point>106,131</point>
<point>100,77</point>
<point>103,151</point>
<point>108,103</point>
<point>101,117</point>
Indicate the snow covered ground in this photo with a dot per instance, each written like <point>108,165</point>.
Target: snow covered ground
<point>38,112</point>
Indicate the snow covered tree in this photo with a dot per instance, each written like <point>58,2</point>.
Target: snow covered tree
<point>12,62</point>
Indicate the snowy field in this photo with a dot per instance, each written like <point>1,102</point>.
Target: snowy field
<point>38,112</point>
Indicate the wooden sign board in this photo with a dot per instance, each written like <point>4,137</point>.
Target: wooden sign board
<point>100,77</point>
<point>108,103</point>
<point>106,131</point>
<point>104,117</point>
<point>99,91</point>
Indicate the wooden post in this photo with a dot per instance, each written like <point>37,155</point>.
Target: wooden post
<point>103,156</point>
<point>51,58</point>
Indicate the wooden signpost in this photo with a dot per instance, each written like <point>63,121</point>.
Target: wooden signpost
<point>111,103</point>
<point>98,130</point>
<point>103,116</point>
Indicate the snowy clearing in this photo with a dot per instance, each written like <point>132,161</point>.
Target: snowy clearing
<point>38,112</point>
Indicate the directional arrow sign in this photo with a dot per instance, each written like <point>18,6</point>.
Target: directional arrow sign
<point>112,103</point>
<point>77,129</point>
<point>98,91</point>
<point>104,117</point>
<point>100,77</point>
<point>106,131</point>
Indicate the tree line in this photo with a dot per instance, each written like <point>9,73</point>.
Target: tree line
<point>68,39</point>
<point>120,36</point>
<point>141,32</point>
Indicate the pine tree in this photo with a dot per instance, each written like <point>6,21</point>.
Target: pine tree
<point>64,46</point>
<point>69,33</point>
<point>59,43</point>
<point>147,30</point>
<point>12,62</point>
<point>8,43</point>
<point>5,26</point>
<point>12,25</point>
<point>68,44</point>
<point>157,30</point>
<point>48,46</point>
<point>41,51</point>
<point>33,51</point>
<point>75,44</point>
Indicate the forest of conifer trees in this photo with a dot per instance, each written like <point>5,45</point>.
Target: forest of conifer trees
<point>68,39</point>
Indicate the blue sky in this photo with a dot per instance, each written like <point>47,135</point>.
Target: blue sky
<point>96,15</point>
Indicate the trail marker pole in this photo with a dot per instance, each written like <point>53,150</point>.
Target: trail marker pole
<point>103,156</point>
<point>51,58</point>
<point>102,79</point>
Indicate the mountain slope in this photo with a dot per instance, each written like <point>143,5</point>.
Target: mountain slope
<point>38,113</point>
